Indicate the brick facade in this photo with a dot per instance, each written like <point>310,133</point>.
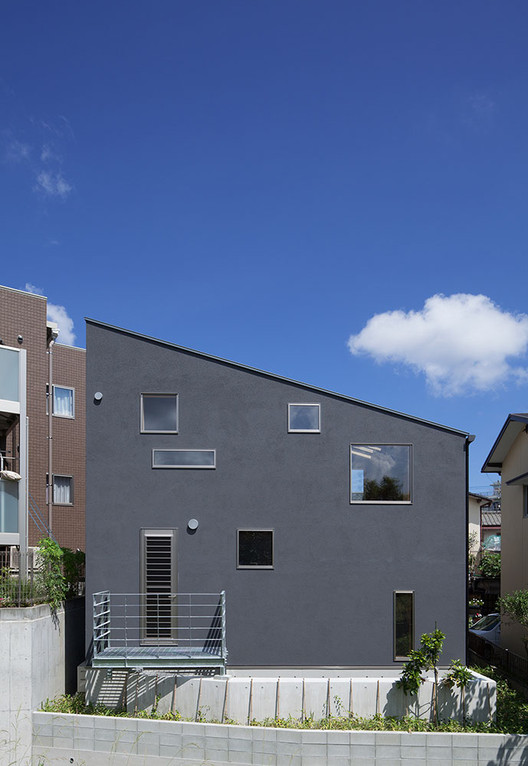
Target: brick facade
<point>24,314</point>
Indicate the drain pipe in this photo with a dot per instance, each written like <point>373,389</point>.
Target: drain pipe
<point>54,334</point>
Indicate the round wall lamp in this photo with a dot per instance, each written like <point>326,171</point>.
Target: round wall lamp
<point>192,525</point>
<point>98,396</point>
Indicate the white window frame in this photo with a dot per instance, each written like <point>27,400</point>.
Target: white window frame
<point>184,467</point>
<point>62,476</point>
<point>304,430</point>
<point>255,566</point>
<point>381,444</point>
<point>152,395</point>
<point>58,414</point>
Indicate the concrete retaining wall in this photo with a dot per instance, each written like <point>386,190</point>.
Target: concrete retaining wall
<point>93,740</point>
<point>32,663</point>
<point>242,699</point>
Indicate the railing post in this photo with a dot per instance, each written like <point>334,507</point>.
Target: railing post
<point>223,612</point>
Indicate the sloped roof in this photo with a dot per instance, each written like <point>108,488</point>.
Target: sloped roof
<point>509,432</point>
<point>491,519</point>
<point>273,376</point>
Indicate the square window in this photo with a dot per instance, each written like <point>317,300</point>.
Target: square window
<point>255,549</point>
<point>304,418</point>
<point>159,413</point>
<point>63,401</point>
<point>184,458</point>
<point>63,490</point>
<point>380,473</point>
<point>403,624</point>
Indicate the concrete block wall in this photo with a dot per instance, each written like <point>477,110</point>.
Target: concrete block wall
<point>93,740</point>
<point>32,668</point>
<point>244,699</point>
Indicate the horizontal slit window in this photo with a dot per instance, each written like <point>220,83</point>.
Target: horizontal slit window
<point>184,458</point>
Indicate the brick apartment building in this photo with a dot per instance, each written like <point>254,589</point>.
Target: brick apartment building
<point>56,416</point>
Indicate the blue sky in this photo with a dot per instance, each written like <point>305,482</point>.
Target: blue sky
<point>263,180</point>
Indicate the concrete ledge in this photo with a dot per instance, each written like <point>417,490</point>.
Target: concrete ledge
<point>244,699</point>
<point>57,738</point>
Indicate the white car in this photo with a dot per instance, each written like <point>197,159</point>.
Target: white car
<point>488,627</point>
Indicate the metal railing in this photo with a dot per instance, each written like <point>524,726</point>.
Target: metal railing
<point>168,628</point>
<point>20,588</point>
<point>511,663</point>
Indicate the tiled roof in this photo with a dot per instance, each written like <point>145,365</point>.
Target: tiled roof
<point>491,518</point>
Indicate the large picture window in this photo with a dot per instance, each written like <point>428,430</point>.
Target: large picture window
<point>380,473</point>
<point>159,413</point>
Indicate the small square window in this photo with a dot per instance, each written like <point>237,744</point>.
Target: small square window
<point>380,473</point>
<point>304,418</point>
<point>255,549</point>
<point>159,413</point>
<point>63,490</point>
<point>63,401</point>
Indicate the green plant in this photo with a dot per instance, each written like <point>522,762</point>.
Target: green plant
<point>73,570</point>
<point>420,661</point>
<point>50,573</point>
<point>490,565</point>
<point>515,606</point>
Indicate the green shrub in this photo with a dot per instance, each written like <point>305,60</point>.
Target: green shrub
<point>490,565</point>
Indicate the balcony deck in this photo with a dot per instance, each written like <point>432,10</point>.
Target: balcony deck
<point>180,631</point>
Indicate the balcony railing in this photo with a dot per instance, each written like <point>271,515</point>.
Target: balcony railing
<point>161,630</point>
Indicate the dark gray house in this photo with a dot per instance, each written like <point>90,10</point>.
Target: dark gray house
<point>337,529</point>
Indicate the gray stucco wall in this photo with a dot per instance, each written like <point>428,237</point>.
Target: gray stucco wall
<point>329,599</point>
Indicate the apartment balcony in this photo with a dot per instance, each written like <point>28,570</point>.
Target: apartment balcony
<point>159,630</point>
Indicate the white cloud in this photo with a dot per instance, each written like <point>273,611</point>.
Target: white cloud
<point>16,151</point>
<point>52,184</point>
<point>59,315</point>
<point>462,343</point>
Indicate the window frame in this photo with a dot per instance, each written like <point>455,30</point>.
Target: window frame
<point>397,657</point>
<point>62,476</point>
<point>304,430</point>
<point>154,394</point>
<point>411,473</point>
<point>185,467</point>
<point>58,414</point>
<point>255,566</point>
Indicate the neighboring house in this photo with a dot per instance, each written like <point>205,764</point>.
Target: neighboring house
<point>509,458</point>
<point>336,528</point>
<point>491,526</point>
<point>475,503</point>
<point>43,381</point>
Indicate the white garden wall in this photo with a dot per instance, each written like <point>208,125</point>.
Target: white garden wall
<point>93,740</point>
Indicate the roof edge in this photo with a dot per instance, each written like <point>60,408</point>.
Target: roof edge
<point>275,376</point>
<point>488,466</point>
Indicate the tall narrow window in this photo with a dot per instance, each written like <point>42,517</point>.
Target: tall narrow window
<point>159,413</point>
<point>63,402</point>
<point>158,584</point>
<point>403,623</point>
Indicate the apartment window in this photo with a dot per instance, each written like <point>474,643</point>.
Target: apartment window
<point>380,473</point>
<point>255,549</point>
<point>304,418</point>
<point>159,413</point>
<point>63,490</point>
<point>403,624</point>
<point>184,458</point>
<point>63,402</point>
